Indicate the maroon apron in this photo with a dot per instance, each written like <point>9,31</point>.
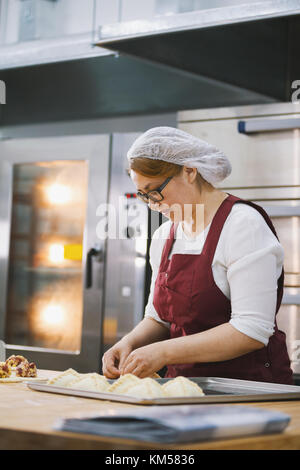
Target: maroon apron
<point>187,297</point>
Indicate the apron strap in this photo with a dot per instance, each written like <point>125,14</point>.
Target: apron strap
<point>216,227</point>
<point>167,247</point>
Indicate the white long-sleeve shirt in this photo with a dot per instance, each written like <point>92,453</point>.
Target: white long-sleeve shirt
<point>247,263</point>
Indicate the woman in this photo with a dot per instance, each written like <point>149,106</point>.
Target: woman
<point>217,280</point>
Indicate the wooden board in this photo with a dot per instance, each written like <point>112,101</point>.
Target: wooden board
<point>13,378</point>
<point>22,379</point>
<point>27,419</point>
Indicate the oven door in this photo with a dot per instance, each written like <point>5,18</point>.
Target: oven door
<point>50,189</point>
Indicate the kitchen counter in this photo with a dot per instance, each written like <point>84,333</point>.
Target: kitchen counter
<point>27,418</point>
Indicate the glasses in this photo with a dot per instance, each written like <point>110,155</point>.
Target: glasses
<point>155,194</point>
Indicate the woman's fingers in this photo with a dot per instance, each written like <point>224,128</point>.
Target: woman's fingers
<point>133,365</point>
<point>123,358</point>
<point>109,368</point>
<point>111,373</point>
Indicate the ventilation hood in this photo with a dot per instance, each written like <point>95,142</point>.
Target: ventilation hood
<point>254,47</point>
<point>229,56</point>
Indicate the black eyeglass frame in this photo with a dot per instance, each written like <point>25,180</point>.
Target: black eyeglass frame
<point>146,196</point>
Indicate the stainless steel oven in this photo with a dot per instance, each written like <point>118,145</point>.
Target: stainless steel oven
<point>263,145</point>
<point>69,291</point>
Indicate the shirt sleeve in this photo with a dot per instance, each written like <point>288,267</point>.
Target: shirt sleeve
<point>254,260</point>
<point>155,255</point>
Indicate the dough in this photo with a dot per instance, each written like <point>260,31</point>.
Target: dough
<point>182,387</point>
<point>92,382</point>
<point>146,388</point>
<point>121,385</point>
<point>128,384</point>
<point>63,379</point>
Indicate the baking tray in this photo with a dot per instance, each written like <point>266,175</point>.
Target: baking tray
<point>216,389</point>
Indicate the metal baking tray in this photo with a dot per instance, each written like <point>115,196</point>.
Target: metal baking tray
<point>216,390</point>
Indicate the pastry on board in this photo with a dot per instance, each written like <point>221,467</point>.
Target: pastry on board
<point>5,370</point>
<point>15,361</point>
<point>182,387</point>
<point>22,370</point>
<point>64,379</point>
<point>19,366</point>
<point>91,382</point>
<point>146,388</point>
<point>26,369</point>
<point>32,370</point>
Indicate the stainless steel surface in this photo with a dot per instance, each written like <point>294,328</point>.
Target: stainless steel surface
<point>277,152</point>
<point>49,51</point>
<point>216,390</point>
<point>205,43</point>
<point>41,31</point>
<point>2,351</point>
<point>5,218</point>
<point>287,109</point>
<point>83,90</point>
<point>248,11</point>
<point>95,150</point>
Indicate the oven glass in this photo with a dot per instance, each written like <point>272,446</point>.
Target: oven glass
<point>45,279</point>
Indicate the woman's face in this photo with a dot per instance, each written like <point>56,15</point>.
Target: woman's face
<point>177,193</point>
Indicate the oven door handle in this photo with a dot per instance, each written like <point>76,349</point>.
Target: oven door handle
<point>96,251</point>
<point>291,299</point>
<point>267,125</point>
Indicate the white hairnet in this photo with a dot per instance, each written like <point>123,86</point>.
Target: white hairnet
<point>176,146</point>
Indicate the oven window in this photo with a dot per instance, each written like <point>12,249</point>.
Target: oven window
<point>45,279</point>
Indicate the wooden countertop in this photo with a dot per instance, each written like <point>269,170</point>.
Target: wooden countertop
<point>27,418</point>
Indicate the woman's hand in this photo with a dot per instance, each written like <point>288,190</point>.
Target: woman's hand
<point>113,359</point>
<point>144,361</point>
